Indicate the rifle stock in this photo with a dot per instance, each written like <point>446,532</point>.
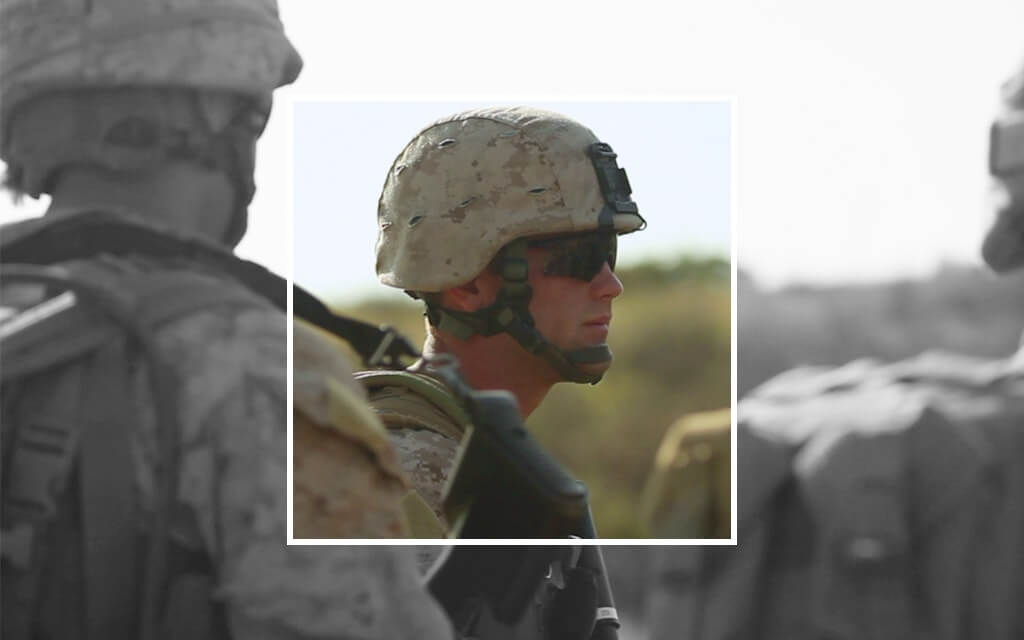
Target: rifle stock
<point>507,485</point>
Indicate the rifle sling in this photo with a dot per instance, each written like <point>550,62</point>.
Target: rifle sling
<point>110,521</point>
<point>375,345</point>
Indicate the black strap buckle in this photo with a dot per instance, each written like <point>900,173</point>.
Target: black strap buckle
<point>40,463</point>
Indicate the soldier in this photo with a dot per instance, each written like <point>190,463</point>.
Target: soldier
<point>880,501</point>
<point>504,221</point>
<point>144,398</point>
<point>1003,248</point>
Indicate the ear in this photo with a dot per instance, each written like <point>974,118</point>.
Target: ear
<point>473,295</point>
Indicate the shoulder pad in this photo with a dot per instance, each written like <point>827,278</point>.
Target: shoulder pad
<point>324,392</point>
<point>808,381</point>
<point>402,398</point>
<point>866,408</point>
<point>867,397</point>
<point>953,369</point>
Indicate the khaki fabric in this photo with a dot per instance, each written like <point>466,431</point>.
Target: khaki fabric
<point>232,483</point>
<point>426,438</point>
<point>346,479</point>
<point>689,492</point>
<point>230,363</point>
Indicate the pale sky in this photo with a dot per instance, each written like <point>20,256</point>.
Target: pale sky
<point>676,155</point>
<point>860,130</point>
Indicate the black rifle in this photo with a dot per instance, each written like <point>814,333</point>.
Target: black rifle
<point>506,485</point>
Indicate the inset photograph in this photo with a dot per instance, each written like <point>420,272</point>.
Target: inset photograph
<point>512,319</point>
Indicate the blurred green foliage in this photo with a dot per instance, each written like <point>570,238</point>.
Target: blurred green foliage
<point>671,339</point>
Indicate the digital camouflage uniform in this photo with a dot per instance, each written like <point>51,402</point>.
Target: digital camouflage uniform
<point>210,354</point>
<point>230,502</point>
<point>340,490</point>
<point>426,438</point>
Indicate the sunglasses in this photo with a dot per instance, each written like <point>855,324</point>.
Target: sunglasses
<point>580,256</point>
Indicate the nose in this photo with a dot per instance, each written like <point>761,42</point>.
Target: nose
<point>1003,246</point>
<point>606,285</point>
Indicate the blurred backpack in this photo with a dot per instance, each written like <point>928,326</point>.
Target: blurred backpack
<point>874,502</point>
<point>76,562</point>
<point>688,493</point>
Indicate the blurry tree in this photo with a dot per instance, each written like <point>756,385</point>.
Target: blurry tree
<point>961,309</point>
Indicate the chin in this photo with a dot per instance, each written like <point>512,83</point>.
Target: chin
<point>597,367</point>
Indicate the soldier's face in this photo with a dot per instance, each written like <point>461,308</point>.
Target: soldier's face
<point>1003,247</point>
<point>569,312</point>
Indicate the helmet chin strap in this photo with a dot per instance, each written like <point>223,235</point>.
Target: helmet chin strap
<point>510,314</point>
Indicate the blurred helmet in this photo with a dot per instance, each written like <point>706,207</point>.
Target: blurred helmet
<point>93,81</point>
<point>1003,247</point>
<point>471,188</point>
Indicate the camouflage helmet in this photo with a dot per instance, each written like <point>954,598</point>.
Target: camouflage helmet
<point>1003,247</point>
<point>226,45</point>
<point>469,184</point>
<point>88,62</point>
<point>471,189</point>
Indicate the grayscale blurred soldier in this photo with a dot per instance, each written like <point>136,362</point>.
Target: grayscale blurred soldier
<point>504,221</point>
<point>144,383</point>
<point>1003,248</point>
<point>876,500</point>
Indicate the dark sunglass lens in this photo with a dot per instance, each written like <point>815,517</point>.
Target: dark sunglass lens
<point>582,258</point>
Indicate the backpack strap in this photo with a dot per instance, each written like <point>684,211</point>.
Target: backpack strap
<point>375,345</point>
<point>132,308</point>
<point>861,567</point>
<point>110,551</point>
<point>40,453</point>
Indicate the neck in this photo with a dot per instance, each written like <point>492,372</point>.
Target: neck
<point>176,198</point>
<point>497,363</point>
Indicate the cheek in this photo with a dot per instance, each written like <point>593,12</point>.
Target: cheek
<point>555,309</point>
